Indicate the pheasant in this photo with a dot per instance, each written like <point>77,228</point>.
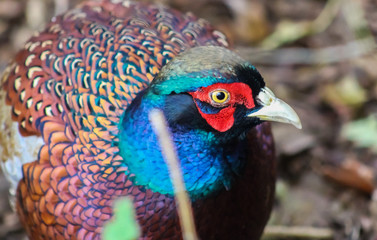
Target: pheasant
<point>75,134</point>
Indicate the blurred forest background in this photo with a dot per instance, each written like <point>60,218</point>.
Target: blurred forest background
<point>320,57</point>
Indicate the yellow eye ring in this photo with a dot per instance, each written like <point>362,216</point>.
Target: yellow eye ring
<point>219,96</point>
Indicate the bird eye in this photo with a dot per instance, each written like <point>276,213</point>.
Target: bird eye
<point>219,96</point>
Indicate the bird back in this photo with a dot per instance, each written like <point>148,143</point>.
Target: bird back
<point>66,91</point>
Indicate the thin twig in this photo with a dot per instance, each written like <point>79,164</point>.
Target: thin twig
<point>354,15</point>
<point>287,31</point>
<point>278,232</point>
<point>36,14</point>
<point>296,55</point>
<point>61,6</point>
<point>159,125</point>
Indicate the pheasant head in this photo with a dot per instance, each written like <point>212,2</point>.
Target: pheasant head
<point>211,98</point>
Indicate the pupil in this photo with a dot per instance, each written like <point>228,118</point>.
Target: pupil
<point>220,95</point>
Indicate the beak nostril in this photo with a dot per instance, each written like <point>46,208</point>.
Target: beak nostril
<point>274,109</point>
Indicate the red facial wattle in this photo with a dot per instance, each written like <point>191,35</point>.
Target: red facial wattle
<point>223,119</point>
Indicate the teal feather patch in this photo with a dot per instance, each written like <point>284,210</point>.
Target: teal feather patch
<point>205,165</point>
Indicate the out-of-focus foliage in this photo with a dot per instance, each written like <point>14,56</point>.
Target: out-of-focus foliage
<point>363,132</point>
<point>123,226</point>
<point>347,92</point>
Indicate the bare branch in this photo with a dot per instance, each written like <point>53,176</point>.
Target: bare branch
<point>182,199</point>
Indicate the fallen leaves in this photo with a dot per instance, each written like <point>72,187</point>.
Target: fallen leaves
<point>352,173</point>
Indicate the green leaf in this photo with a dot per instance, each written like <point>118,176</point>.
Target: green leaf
<point>123,226</point>
<point>346,92</point>
<point>362,132</point>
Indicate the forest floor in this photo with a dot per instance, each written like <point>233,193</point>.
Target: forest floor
<point>320,57</point>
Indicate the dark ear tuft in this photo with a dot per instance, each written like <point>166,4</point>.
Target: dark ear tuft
<point>250,75</point>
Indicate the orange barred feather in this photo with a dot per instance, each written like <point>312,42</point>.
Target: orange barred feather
<point>70,85</point>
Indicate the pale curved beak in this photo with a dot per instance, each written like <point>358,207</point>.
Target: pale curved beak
<point>274,109</point>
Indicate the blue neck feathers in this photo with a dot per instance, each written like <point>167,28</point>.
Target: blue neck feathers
<point>207,165</point>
